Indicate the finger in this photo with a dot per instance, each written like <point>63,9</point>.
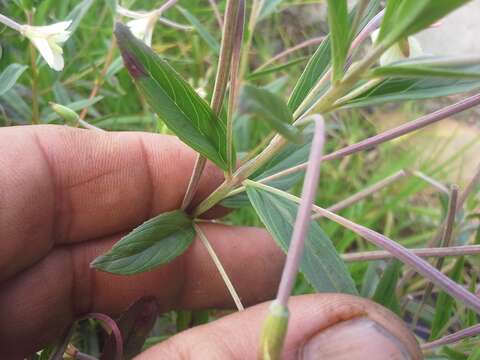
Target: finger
<point>38,304</point>
<point>64,185</point>
<point>322,326</point>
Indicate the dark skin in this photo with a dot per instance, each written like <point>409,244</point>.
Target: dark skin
<point>67,195</point>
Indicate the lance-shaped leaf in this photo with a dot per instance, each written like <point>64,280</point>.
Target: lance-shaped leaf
<point>339,25</point>
<point>321,263</point>
<point>155,242</point>
<point>271,108</point>
<point>318,63</point>
<point>173,99</point>
<point>407,17</point>
<point>431,67</point>
<point>402,89</point>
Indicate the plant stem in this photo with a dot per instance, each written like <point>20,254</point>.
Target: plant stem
<point>453,338</point>
<point>302,221</point>
<point>444,242</point>
<point>425,252</point>
<point>220,268</point>
<point>234,82</point>
<point>398,251</point>
<point>366,192</point>
<point>33,65</point>
<point>391,134</point>
<point>221,80</point>
<point>12,24</point>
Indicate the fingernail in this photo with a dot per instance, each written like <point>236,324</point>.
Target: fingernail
<point>359,338</point>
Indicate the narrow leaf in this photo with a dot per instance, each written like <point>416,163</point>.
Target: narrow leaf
<point>173,99</point>
<point>321,263</point>
<point>271,108</point>
<point>320,60</point>
<point>202,30</point>
<point>406,17</point>
<point>445,303</point>
<point>393,90</point>
<point>155,242</point>
<point>340,35</point>
<point>385,291</point>
<point>9,77</point>
<point>430,67</point>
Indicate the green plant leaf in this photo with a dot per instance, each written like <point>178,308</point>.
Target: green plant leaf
<point>270,108</point>
<point>291,155</point>
<point>436,67</point>
<point>393,90</point>
<point>173,99</point>
<point>445,303</point>
<point>155,242</point>
<point>385,291</point>
<point>406,17</point>
<point>321,263</point>
<point>339,25</point>
<point>201,30</point>
<point>320,60</point>
<point>9,76</point>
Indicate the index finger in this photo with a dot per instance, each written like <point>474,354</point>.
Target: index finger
<point>62,185</point>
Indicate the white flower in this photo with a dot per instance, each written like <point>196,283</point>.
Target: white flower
<point>143,22</point>
<point>48,40</point>
<point>396,53</point>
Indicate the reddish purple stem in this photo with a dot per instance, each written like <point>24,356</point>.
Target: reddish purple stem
<point>302,221</point>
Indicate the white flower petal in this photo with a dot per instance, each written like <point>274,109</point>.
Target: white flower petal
<point>44,49</point>
<point>48,29</point>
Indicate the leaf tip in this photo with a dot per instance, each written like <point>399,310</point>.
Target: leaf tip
<point>126,41</point>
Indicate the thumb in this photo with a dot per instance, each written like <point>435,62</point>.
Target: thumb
<point>321,326</point>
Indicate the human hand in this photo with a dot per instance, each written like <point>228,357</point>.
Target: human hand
<point>67,195</point>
